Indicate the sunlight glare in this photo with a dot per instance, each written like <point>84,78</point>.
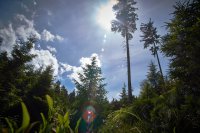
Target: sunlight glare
<point>105,15</point>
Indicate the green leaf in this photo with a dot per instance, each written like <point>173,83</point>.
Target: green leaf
<point>57,129</point>
<point>60,119</point>
<point>77,125</point>
<point>43,119</point>
<point>10,125</point>
<point>25,118</point>
<point>66,119</point>
<point>49,101</point>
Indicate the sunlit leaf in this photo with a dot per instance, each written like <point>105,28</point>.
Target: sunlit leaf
<point>49,101</point>
<point>60,118</point>
<point>25,118</point>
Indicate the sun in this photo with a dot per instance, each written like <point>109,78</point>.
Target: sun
<point>105,15</point>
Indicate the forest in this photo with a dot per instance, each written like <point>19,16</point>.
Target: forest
<point>31,100</point>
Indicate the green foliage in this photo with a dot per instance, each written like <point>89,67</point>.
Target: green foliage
<point>26,118</point>
<point>181,44</point>
<point>91,86</point>
<point>90,92</point>
<point>123,97</point>
<point>125,18</point>
<point>61,98</point>
<point>46,126</point>
<point>20,82</point>
<point>50,102</point>
<point>120,121</point>
<point>13,71</point>
<point>26,126</point>
<point>170,107</point>
<point>150,37</point>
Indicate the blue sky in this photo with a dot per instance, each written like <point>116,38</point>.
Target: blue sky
<point>69,32</point>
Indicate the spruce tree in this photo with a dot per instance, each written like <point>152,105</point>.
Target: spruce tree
<point>123,95</point>
<point>125,23</point>
<point>91,86</point>
<point>151,39</point>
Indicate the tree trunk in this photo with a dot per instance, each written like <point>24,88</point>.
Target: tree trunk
<point>129,69</point>
<point>159,64</point>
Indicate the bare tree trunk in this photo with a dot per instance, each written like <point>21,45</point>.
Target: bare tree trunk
<point>129,69</point>
<point>159,64</point>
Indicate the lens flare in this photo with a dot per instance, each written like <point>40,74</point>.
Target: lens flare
<point>89,114</point>
<point>105,15</point>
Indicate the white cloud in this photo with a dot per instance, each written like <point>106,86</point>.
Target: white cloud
<point>87,60</point>
<point>27,29</point>
<point>83,62</point>
<point>51,49</point>
<point>59,38</point>
<point>78,69</point>
<point>22,31</point>
<point>113,94</point>
<point>65,68</point>
<point>8,39</point>
<point>43,59</point>
<point>48,36</point>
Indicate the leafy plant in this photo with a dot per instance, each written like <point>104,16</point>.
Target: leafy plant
<point>62,122</point>
<point>26,126</point>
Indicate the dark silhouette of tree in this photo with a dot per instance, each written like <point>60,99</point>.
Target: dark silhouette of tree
<point>152,84</point>
<point>125,23</point>
<point>151,39</point>
<point>91,91</point>
<point>13,79</point>
<point>123,95</point>
<point>181,44</point>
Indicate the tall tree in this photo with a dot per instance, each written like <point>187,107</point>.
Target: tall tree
<point>125,23</point>
<point>181,44</point>
<point>151,39</point>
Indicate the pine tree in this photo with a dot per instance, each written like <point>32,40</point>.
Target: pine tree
<point>153,75</point>
<point>91,86</point>
<point>151,39</point>
<point>152,84</point>
<point>91,92</point>
<point>123,95</point>
<point>181,44</point>
<point>125,23</point>
<point>14,73</point>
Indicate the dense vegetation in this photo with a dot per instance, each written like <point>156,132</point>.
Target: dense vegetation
<point>169,103</point>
